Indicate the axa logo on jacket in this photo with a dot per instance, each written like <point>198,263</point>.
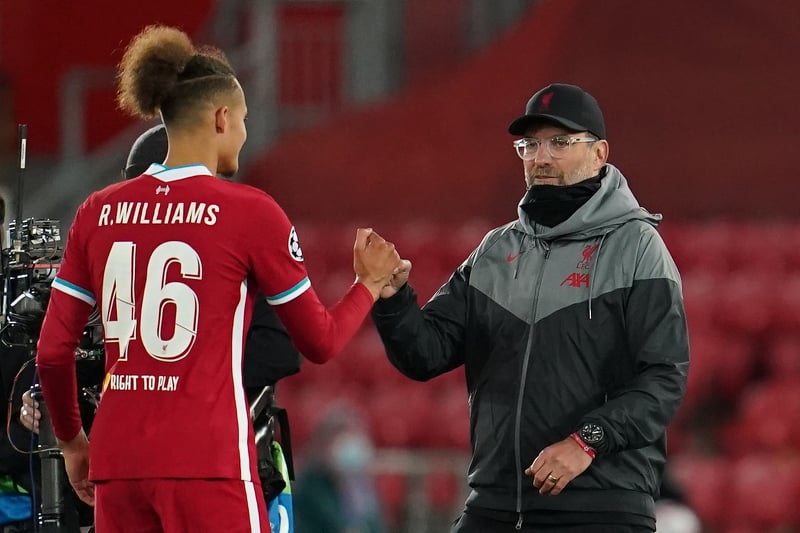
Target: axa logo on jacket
<point>576,279</point>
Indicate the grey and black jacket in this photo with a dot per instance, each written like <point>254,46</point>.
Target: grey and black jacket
<point>556,327</point>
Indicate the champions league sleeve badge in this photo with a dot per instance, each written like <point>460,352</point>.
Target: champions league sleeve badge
<point>294,246</point>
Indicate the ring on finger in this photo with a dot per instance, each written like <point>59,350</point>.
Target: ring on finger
<point>552,478</point>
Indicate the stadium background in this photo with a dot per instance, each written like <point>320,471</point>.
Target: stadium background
<point>392,113</point>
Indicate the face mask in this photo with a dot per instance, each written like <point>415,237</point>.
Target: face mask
<point>550,205</point>
<point>351,453</point>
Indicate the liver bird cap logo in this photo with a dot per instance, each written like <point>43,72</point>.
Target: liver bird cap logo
<point>546,101</point>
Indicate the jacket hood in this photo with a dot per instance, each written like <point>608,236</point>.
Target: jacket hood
<point>612,205</point>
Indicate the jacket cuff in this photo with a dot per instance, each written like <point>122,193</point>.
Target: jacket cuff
<point>395,304</point>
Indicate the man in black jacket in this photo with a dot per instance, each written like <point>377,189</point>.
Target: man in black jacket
<point>570,324</point>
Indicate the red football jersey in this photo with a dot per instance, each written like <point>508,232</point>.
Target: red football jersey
<point>173,260</point>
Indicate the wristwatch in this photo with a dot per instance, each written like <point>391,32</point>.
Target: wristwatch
<point>592,434</point>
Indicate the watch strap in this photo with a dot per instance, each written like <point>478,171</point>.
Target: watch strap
<point>588,449</point>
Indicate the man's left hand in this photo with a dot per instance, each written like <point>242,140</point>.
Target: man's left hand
<point>557,465</point>
<point>76,461</point>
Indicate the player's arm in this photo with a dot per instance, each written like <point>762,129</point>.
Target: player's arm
<point>318,332</point>
<point>68,310</point>
<point>63,324</point>
<point>425,343</point>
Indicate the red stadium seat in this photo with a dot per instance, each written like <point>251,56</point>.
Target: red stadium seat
<point>367,364</point>
<point>786,304</point>
<point>700,291</point>
<point>451,419</point>
<point>764,491</point>
<point>742,528</point>
<point>393,493</point>
<point>443,490</point>
<point>782,358</point>
<point>706,481</point>
<point>708,248</point>
<point>789,244</point>
<point>769,239</point>
<point>721,364</point>
<point>745,302</point>
<point>399,416</point>
<point>767,420</point>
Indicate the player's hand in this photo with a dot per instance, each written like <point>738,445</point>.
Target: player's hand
<point>29,415</point>
<point>399,278</point>
<point>76,461</point>
<point>557,465</point>
<point>374,261</point>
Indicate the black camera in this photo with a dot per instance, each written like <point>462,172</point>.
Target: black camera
<point>28,268</point>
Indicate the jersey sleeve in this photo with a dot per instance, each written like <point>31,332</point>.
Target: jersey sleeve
<point>68,310</point>
<point>278,259</point>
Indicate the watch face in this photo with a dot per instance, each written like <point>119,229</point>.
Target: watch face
<point>592,434</point>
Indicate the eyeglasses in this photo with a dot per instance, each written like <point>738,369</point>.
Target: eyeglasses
<point>557,146</point>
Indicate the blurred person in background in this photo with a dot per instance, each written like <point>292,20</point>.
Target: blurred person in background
<point>173,260</point>
<point>571,326</point>
<point>335,492</point>
<point>676,517</point>
<point>673,512</point>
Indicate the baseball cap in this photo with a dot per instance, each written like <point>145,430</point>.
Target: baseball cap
<point>150,147</point>
<point>566,105</point>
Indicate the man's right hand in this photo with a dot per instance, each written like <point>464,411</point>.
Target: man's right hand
<point>29,415</point>
<point>374,260</point>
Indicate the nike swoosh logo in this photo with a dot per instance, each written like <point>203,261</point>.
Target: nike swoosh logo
<point>510,258</point>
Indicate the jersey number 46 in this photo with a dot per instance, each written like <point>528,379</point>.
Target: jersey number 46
<point>122,315</point>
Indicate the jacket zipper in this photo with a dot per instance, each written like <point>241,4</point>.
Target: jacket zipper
<point>518,423</point>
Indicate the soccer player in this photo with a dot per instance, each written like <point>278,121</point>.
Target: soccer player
<point>173,260</point>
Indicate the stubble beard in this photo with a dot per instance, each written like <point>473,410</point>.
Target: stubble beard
<point>584,172</point>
